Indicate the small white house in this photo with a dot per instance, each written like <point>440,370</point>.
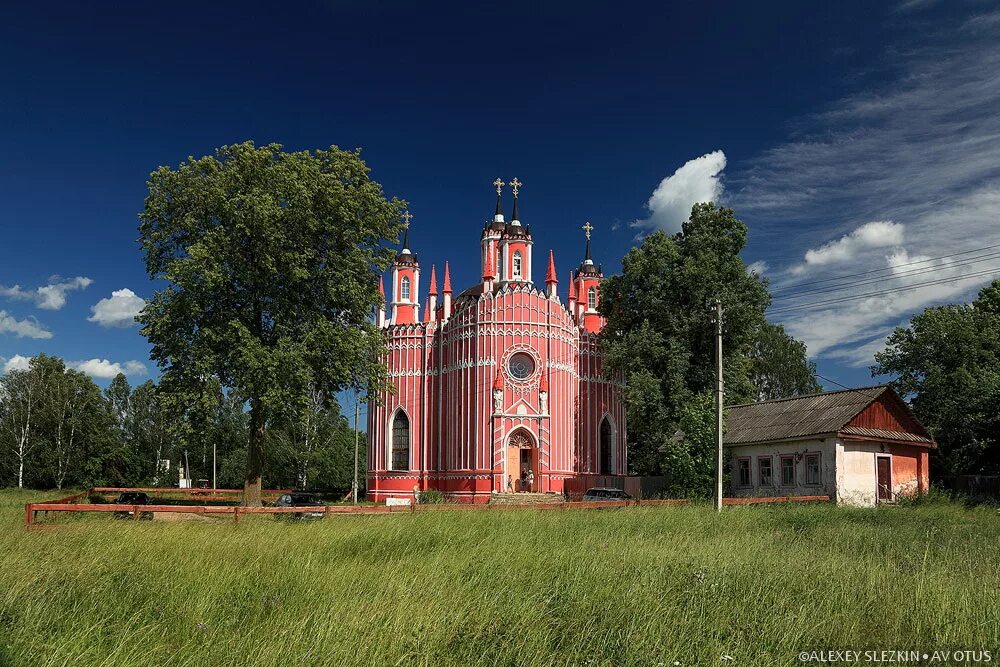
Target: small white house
<point>857,446</point>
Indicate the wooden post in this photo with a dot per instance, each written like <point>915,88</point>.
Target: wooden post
<point>29,515</point>
<point>236,514</point>
<point>718,405</point>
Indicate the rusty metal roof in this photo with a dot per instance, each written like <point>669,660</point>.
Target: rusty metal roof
<point>809,415</point>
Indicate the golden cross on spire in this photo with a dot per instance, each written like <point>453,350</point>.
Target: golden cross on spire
<point>587,228</point>
<point>499,184</point>
<point>515,184</point>
<point>406,218</point>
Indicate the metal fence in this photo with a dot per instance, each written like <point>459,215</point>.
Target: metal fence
<point>973,486</point>
<point>72,504</point>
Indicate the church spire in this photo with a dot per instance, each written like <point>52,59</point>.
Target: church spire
<point>434,282</point>
<point>515,217</point>
<point>587,228</point>
<point>447,280</point>
<point>405,250</point>
<point>498,216</point>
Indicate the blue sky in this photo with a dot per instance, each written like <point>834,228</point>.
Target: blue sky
<point>850,136</point>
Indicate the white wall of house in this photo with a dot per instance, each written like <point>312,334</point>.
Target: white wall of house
<point>798,451</point>
<point>856,479</point>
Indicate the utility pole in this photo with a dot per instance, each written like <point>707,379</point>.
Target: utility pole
<point>718,405</point>
<point>354,486</point>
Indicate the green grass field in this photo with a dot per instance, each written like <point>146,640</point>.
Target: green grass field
<point>669,585</point>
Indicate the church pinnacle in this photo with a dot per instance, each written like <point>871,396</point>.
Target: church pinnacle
<point>515,218</point>
<point>498,216</point>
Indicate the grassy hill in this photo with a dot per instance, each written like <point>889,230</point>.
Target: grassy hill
<point>672,585</point>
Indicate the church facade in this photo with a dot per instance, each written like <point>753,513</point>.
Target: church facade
<point>500,387</point>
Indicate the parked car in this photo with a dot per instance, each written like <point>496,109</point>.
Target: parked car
<point>133,498</point>
<point>314,507</point>
<point>605,494</point>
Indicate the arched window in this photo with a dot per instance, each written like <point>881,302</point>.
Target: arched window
<point>517,264</point>
<point>404,289</point>
<point>400,441</point>
<point>607,446</point>
<point>592,298</point>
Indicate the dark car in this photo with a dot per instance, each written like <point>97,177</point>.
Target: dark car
<point>133,498</point>
<point>314,507</point>
<point>605,494</point>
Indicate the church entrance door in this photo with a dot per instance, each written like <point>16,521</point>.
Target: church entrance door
<point>521,462</point>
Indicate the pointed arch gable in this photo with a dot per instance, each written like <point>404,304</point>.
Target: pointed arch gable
<point>399,440</point>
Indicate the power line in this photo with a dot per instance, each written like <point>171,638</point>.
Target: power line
<point>865,273</point>
<point>844,386</point>
<point>902,274</point>
<point>807,306</point>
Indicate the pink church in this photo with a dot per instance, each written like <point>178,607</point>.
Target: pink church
<point>499,389</point>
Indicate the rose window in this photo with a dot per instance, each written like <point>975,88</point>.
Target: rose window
<point>521,366</point>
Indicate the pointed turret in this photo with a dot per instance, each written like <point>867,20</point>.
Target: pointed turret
<point>551,282</point>
<point>432,298</point>
<point>380,318</point>
<point>446,295</point>
<point>434,282</point>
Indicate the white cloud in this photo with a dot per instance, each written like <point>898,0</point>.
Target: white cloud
<point>699,180</point>
<point>51,296</point>
<point>119,310</point>
<point>16,363</point>
<point>105,369</point>
<point>920,148</point>
<point>759,267</point>
<point>879,234</point>
<point>26,328</point>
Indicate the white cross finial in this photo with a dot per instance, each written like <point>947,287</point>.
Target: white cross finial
<point>587,228</point>
<point>406,218</point>
<point>515,184</point>
<point>499,184</point>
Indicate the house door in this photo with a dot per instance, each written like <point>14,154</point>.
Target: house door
<point>883,469</point>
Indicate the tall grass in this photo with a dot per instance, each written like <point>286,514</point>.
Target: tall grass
<point>614,587</point>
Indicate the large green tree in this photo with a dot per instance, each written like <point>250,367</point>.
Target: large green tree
<point>947,361</point>
<point>660,335</point>
<point>780,366</point>
<point>270,262</point>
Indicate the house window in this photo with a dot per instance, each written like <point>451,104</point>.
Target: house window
<point>812,469</point>
<point>592,298</point>
<point>400,442</point>
<point>517,264</point>
<point>788,470</point>
<point>404,289</point>
<point>744,471</point>
<point>764,476</point>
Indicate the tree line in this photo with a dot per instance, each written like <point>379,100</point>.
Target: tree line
<point>58,429</point>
